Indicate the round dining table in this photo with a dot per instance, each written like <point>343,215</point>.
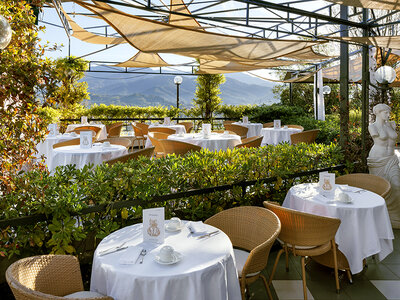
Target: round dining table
<point>214,142</point>
<point>275,136</point>
<point>205,270</point>
<point>75,155</point>
<point>365,227</point>
<point>254,128</point>
<point>46,147</point>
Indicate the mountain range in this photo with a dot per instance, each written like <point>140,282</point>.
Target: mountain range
<point>159,89</point>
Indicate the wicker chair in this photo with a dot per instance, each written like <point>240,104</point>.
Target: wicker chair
<point>178,147</point>
<point>227,122</point>
<point>143,127</point>
<point>114,130</point>
<point>268,125</point>
<point>253,229</point>
<point>162,129</point>
<point>238,129</point>
<point>147,152</point>
<point>296,126</point>
<point>139,135</point>
<point>307,137</point>
<point>373,183</point>
<point>96,130</point>
<point>158,148</point>
<point>72,142</point>
<point>48,277</point>
<point>223,131</point>
<point>304,235</point>
<point>188,126</point>
<point>254,141</point>
<point>126,142</point>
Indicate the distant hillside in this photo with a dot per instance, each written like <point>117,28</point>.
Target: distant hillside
<point>150,90</point>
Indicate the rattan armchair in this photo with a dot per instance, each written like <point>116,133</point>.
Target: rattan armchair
<point>155,141</point>
<point>307,137</point>
<point>126,142</point>
<point>223,131</point>
<point>370,182</point>
<point>143,127</point>
<point>48,277</point>
<point>227,122</point>
<point>146,152</point>
<point>254,141</point>
<point>178,147</point>
<point>268,125</point>
<point>96,130</point>
<point>253,229</point>
<point>114,130</point>
<point>162,129</point>
<point>304,235</point>
<point>71,142</point>
<point>139,135</point>
<point>188,126</point>
<point>296,126</point>
<point>238,129</point>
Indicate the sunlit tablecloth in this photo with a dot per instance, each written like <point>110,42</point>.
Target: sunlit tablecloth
<point>103,130</point>
<point>214,142</point>
<point>275,136</point>
<point>46,147</point>
<point>80,157</point>
<point>178,128</point>
<point>207,269</point>
<point>254,128</point>
<point>365,229</point>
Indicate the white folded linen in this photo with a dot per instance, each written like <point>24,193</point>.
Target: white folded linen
<point>197,227</point>
<point>130,256</point>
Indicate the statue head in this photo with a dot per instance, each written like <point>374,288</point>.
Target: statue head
<point>380,107</point>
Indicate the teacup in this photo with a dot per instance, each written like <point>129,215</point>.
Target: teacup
<point>180,134</point>
<point>174,223</point>
<point>166,254</point>
<point>285,127</point>
<point>226,132</point>
<point>106,144</point>
<point>343,197</point>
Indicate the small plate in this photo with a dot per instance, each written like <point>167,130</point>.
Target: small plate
<point>176,258</point>
<point>167,228</point>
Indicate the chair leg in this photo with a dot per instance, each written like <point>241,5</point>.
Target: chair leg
<point>266,286</point>
<point>335,265</point>
<point>242,288</point>
<point>275,265</point>
<point>349,276</point>
<point>303,272</point>
<point>287,259</point>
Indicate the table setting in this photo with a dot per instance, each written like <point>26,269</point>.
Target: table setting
<point>191,260</point>
<point>365,228</point>
<point>254,128</point>
<point>276,136</point>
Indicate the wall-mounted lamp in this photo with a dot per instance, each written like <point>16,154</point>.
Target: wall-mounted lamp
<point>385,75</point>
<point>326,90</point>
<point>5,32</point>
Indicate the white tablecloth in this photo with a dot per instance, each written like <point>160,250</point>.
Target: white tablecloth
<point>80,157</point>
<point>103,131</point>
<point>215,142</point>
<point>178,128</point>
<point>275,136</point>
<point>254,128</point>
<point>365,229</point>
<point>46,147</point>
<point>207,269</point>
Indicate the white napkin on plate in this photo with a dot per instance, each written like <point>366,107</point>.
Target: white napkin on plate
<point>130,256</point>
<point>197,227</point>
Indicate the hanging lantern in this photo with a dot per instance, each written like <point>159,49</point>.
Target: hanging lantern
<point>326,90</point>
<point>5,32</point>
<point>385,75</point>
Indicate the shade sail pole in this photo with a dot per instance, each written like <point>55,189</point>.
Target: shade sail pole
<point>365,95</point>
<point>344,83</point>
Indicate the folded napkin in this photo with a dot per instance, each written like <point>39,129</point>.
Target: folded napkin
<point>130,256</point>
<point>197,227</point>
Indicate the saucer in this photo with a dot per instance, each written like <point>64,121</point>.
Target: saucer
<point>167,228</point>
<point>176,257</point>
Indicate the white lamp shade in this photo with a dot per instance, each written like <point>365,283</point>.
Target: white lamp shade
<point>178,79</point>
<point>5,32</point>
<point>385,75</point>
<point>326,90</point>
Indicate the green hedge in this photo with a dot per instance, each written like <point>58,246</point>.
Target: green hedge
<point>68,191</point>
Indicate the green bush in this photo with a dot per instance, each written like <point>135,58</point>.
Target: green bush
<point>67,191</point>
<point>267,113</point>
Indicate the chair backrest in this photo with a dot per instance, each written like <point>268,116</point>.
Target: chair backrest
<point>126,142</point>
<point>44,277</point>
<point>254,141</point>
<point>96,130</point>
<point>370,182</point>
<point>238,129</point>
<point>71,142</point>
<point>146,152</point>
<point>178,147</point>
<point>227,122</point>
<point>114,130</point>
<point>223,131</point>
<point>162,129</point>
<point>269,124</point>
<point>251,228</point>
<point>303,229</point>
<point>138,132</point>
<point>158,148</point>
<point>188,126</point>
<point>160,135</point>
<point>144,127</point>
<point>307,137</point>
<point>296,126</point>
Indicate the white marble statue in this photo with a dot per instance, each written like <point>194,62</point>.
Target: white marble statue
<point>382,161</point>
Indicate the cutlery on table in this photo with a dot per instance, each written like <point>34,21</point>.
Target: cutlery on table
<point>208,234</point>
<point>141,255</point>
<point>113,249</point>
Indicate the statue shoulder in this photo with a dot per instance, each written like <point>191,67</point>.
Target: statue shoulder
<point>373,130</point>
<point>392,124</point>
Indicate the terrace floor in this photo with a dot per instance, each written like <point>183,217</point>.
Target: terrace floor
<point>378,280</point>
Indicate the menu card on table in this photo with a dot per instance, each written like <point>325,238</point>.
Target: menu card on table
<point>153,225</point>
<point>85,139</point>
<point>327,184</point>
<point>277,124</point>
<point>245,119</point>
<point>52,129</point>
<point>84,120</point>
<point>206,129</point>
<point>167,121</point>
